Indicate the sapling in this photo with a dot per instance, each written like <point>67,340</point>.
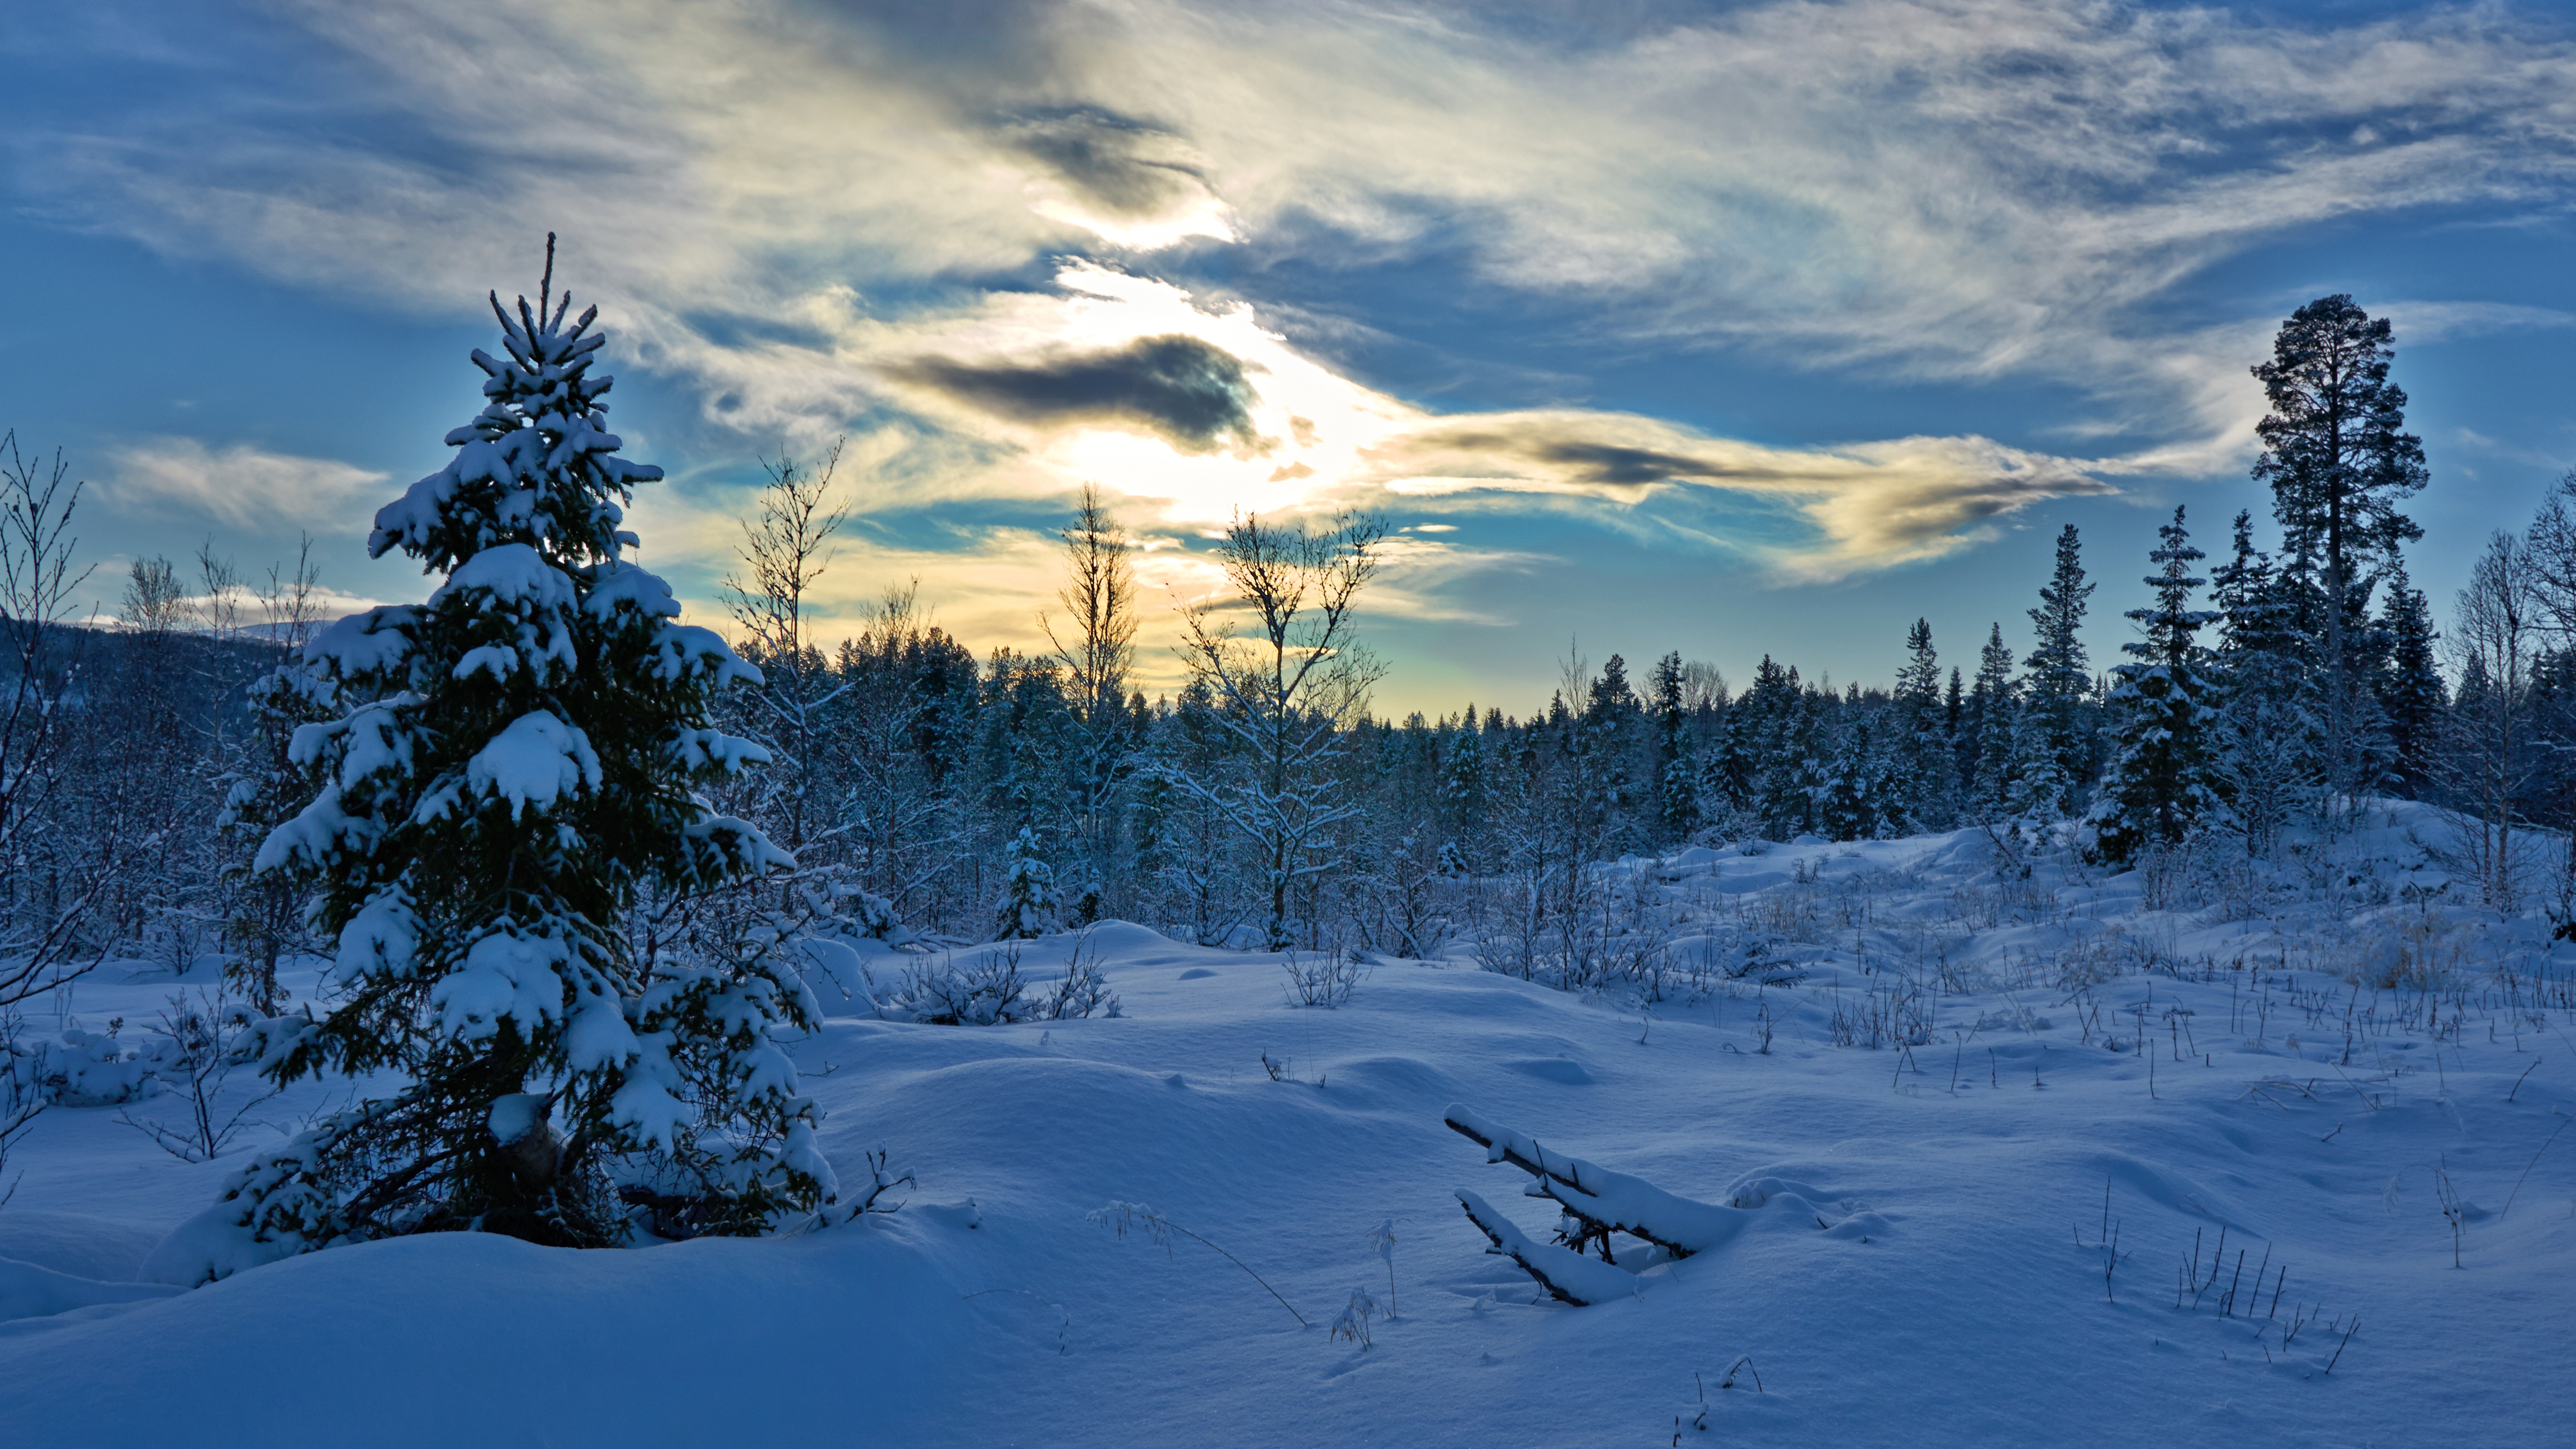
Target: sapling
<point>195,1063</point>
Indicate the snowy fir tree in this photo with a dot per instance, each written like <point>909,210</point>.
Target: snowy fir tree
<point>1922,747</point>
<point>1676,779</point>
<point>2157,785</point>
<point>2412,696</point>
<point>1986,755</point>
<point>519,768</point>
<point>2268,744</point>
<point>1028,907</point>
<point>2051,751</point>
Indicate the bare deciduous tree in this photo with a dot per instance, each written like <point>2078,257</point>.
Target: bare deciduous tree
<point>1097,653</point>
<point>1286,679</point>
<point>786,548</point>
<point>46,890</point>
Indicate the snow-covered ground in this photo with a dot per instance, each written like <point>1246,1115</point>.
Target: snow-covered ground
<point>1919,1260</point>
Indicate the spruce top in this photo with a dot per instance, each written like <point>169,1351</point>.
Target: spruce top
<point>538,466</point>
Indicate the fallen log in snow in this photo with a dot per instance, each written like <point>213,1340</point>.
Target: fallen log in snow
<point>1568,1276</point>
<point>1600,1200</point>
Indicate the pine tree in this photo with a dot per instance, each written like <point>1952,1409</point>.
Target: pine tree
<point>2157,786</point>
<point>2051,750</point>
<point>1993,715</point>
<point>1028,907</point>
<point>520,770</point>
<point>1676,783</point>
<point>1847,798</point>
<point>2339,461</point>
<point>2411,692</point>
<point>1922,777</point>
<point>2267,742</point>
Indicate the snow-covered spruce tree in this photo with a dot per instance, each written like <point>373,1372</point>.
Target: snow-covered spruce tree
<point>2158,783</point>
<point>2412,694</point>
<point>2266,740</point>
<point>2052,750</point>
<point>1676,781</point>
<point>1920,742</point>
<point>1028,908</point>
<point>521,762</point>
<point>1993,713</point>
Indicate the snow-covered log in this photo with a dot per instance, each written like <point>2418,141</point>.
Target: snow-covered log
<point>1567,1275</point>
<point>1602,1199</point>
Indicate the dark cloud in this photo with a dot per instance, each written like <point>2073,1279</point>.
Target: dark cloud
<point>1872,504</point>
<point>1130,169</point>
<point>1616,466</point>
<point>1196,395</point>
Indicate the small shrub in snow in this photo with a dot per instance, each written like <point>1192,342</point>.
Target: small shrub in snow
<point>195,1051</point>
<point>987,991</point>
<point>1381,1241</point>
<point>1324,979</point>
<point>1084,990</point>
<point>77,1068</point>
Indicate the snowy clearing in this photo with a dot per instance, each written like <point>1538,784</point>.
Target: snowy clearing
<point>1920,1257</point>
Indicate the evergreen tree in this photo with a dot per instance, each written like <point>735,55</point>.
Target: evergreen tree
<point>1676,783</point>
<point>1028,907</point>
<point>1847,799</point>
<point>2339,462</point>
<point>2267,742</point>
<point>1921,777</point>
<point>1993,716</point>
<point>2157,786</point>
<point>2051,749</point>
<point>2411,692</point>
<point>520,770</point>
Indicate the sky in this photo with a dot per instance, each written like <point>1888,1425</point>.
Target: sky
<point>1724,328</point>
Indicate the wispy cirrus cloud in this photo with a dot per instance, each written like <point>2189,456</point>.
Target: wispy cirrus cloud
<point>237,486</point>
<point>817,216</point>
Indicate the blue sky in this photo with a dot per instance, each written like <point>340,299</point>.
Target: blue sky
<point>1721,328</point>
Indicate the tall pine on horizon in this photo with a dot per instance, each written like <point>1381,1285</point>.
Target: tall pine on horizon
<point>520,770</point>
<point>2339,461</point>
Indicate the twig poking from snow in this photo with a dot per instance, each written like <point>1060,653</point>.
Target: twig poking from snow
<point>1123,1215</point>
<point>1064,1320</point>
<point>1381,1241</point>
<point>2526,1171</point>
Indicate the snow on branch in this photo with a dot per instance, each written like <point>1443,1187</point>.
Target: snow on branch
<point>1601,1200</point>
<point>1567,1275</point>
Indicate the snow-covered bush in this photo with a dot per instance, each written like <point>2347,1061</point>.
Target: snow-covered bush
<point>517,767</point>
<point>987,990</point>
<point>78,1068</point>
<point>1329,978</point>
